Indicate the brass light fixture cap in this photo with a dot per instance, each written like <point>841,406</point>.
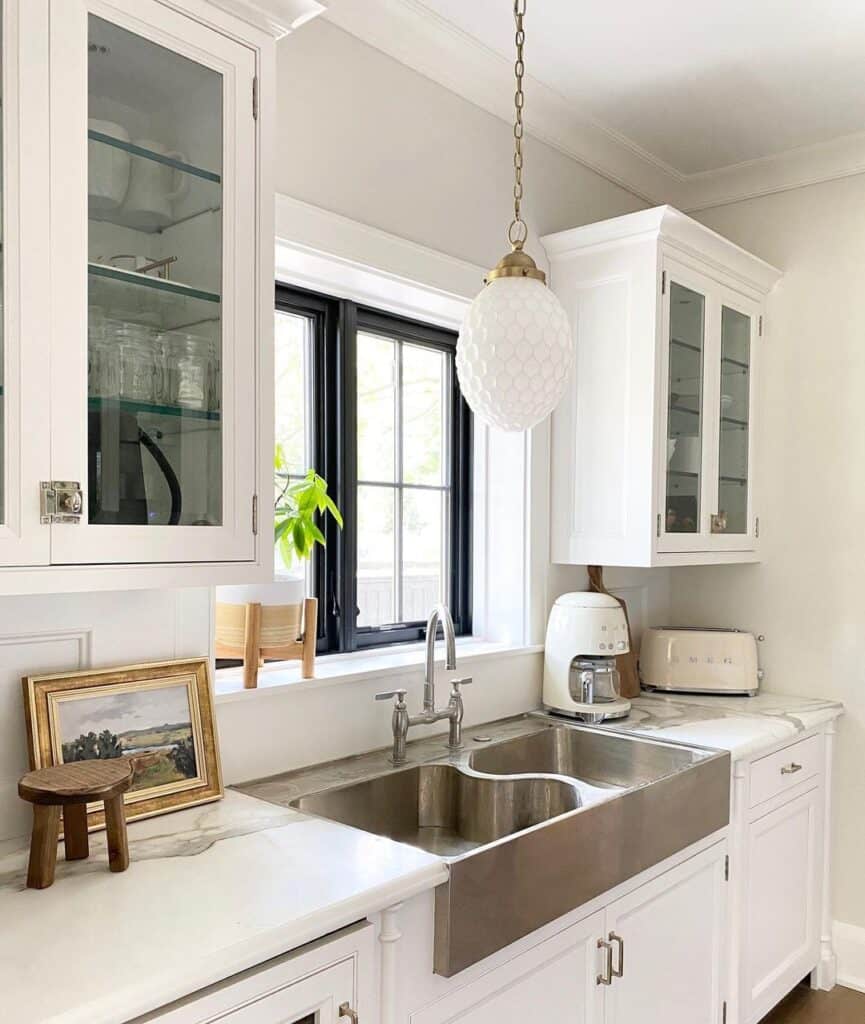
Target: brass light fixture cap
<point>516,264</point>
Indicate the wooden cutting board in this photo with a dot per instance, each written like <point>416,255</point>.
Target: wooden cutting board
<point>625,663</point>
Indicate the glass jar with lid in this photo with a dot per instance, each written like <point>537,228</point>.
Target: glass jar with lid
<point>137,344</point>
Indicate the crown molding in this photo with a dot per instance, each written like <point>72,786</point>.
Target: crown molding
<point>276,17</point>
<point>427,43</point>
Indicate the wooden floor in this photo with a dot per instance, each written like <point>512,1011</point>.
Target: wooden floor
<point>802,1006</point>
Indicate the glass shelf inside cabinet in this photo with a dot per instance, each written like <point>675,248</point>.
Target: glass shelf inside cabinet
<point>195,191</point>
<point>169,305</point>
<point>100,404</point>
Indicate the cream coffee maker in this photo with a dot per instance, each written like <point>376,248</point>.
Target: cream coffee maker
<point>585,633</point>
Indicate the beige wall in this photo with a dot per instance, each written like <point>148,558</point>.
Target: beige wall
<point>807,597</point>
<point>365,136</point>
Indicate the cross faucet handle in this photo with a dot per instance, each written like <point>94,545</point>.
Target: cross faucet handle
<point>398,694</point>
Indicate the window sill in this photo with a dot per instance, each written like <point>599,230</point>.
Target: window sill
<point>333,669</point>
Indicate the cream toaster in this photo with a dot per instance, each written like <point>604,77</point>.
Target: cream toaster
<point>701,660</point>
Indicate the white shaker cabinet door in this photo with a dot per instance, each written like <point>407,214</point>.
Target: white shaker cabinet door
<point>554,981</point>
<point>668,946</point>
<point>782,934</point>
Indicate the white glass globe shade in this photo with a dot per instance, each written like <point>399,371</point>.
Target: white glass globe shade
<point>514,353</point>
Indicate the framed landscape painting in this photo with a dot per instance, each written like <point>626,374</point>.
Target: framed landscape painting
<point>158,716</point>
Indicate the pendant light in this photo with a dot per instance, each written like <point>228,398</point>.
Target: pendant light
<point>515,349</point>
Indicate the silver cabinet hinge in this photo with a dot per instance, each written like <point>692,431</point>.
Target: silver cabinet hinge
<point>724,1012</point>
<point>658,526</point>
<point>60,501</point>
<point>663,282</point>
<point>760,327</point>
<point>255,514</point>
<point>727,868</point>
<point>255,98</point>
<point>757,527</point>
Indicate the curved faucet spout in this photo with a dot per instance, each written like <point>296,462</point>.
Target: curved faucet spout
<point>439,614</point>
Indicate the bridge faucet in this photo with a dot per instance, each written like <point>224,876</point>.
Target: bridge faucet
<point>401,720</point>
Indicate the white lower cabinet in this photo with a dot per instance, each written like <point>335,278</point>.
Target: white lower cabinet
<point>553,981</point>
<point>782,900</point>
<point>655,955</point>
<point>326,982</point>
<point>667,941</point>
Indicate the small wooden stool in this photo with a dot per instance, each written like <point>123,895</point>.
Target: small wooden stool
<point>72,787</point>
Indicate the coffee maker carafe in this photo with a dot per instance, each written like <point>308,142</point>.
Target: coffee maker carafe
<point>585,634</point>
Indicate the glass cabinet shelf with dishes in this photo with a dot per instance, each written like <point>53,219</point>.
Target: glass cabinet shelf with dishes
<point>160,302</point>
<point>654,446</point>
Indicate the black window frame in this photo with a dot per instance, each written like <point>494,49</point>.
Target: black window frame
<point>333,420</point>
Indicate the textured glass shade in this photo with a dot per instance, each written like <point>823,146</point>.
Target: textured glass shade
<point>514,353</point>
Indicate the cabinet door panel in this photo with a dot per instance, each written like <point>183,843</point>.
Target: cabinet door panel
<point>781,903</point>
<point>24,420</point>
<point>155,204</point>
<point>672,931</point>
<point>554,981</point>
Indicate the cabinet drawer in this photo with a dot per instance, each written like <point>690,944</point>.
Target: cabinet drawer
<point>776,773</point>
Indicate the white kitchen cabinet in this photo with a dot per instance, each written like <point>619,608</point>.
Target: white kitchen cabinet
<point>654,443</point>
<point>555,980</point>
<point>668,943</point>
<point>651,953</point>
<point>326,982</point>
<point>138,315</point>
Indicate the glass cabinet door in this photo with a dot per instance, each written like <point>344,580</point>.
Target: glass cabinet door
<point>154,152</point>
<point>734,433</point>
<point>166,195</point>
<point>685,426</point>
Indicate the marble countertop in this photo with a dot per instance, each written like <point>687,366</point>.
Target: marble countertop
<point>211,891</point>
<point>746,726</point>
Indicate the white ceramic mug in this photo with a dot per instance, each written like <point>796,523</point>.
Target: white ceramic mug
<point>107,168</point>
<point>153,188</point>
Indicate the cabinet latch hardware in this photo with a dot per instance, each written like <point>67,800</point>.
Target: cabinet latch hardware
<point>60,501</point>
<point>255,98</point>
<point>724,1012</point>
<point>727,868</point>
<point>760,327</point>
<point>719,523</point>
<point>757,527</point>
<point>663,282</point>
<point>658,526</point>
<point>255,515</point>
<point>345,1010</point>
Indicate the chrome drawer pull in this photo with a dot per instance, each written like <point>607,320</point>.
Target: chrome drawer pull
<point>606,978</point>
<point>345,1010</point>
<point>791,769</point>
<point>618,972</point>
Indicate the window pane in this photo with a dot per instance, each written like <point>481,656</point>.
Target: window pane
<point>423,552</point>
<point>376,408</point>
<point>424,404</point>
<point>685,419</point>
<point>292,344</point>
<point>735,398</point>
<point>376,556</point>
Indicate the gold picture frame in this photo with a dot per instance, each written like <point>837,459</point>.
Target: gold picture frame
<point>158,715</point>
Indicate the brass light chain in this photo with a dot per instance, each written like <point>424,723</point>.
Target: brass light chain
<point>517,231</point>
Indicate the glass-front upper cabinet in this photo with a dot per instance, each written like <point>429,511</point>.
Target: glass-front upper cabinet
<point>161,207</point>
<point>709,333</point>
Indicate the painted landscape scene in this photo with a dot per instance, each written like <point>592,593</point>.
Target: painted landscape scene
<point>152,727</point>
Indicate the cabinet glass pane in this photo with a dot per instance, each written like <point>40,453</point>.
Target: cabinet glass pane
<point>154,283</point>
<point>2,304</point>
<point>685,412</point>
<point>735,415</point>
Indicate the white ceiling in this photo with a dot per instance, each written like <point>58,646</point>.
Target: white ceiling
<point>694,103</point>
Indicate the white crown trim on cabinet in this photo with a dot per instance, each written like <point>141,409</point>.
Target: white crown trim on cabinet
<point>276,17</point>
<point>424,41</point>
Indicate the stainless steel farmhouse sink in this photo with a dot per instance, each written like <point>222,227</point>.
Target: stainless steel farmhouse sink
<point>442,809</point>
<point>533,817</point>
